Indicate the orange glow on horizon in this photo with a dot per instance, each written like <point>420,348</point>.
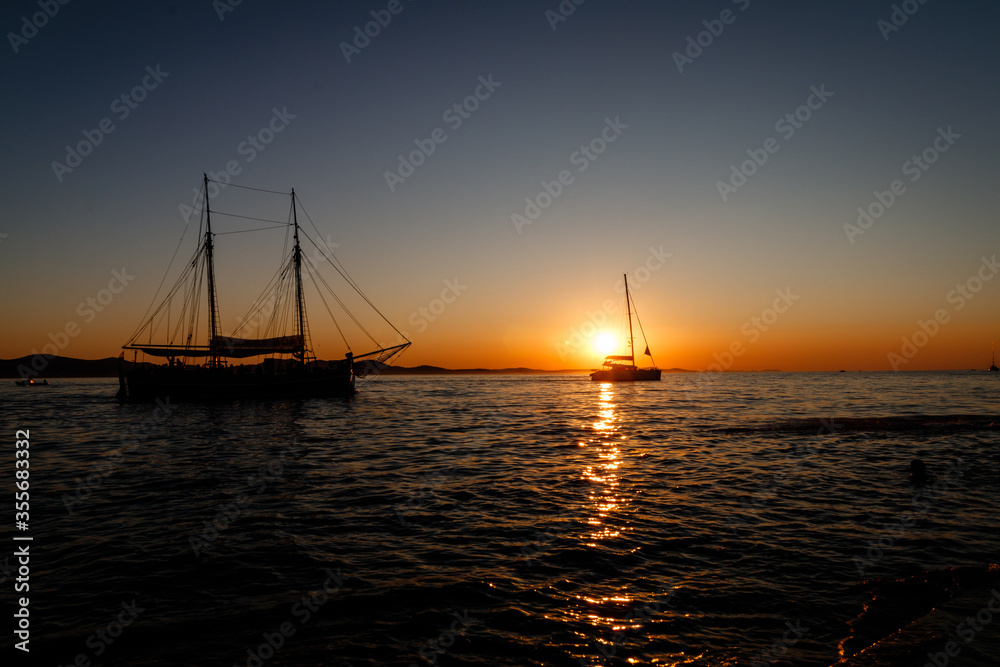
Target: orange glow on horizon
<point>681,331</point>
<point>785,351</point>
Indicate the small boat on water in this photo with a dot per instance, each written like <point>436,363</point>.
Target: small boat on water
<point>288,366</point>
<point>993,359</point>
<point>622,368</point>
<point>31,382</point>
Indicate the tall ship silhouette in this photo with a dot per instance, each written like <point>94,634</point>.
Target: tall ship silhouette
<point>201,364</point>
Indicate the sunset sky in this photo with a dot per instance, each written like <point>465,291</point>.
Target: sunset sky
<point>651,113</point>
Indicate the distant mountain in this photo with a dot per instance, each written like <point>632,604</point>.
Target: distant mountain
<point>382,369</point>
<point>41,366</point>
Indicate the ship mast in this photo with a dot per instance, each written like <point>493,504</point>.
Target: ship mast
<point>298,282</point>
<point>212,305</point>
<point>628,307</point>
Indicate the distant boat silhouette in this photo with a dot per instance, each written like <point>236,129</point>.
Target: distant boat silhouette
<point>615,369</point>
<point>993,358</point>
<point>297,373</point>
<point>32,382</point>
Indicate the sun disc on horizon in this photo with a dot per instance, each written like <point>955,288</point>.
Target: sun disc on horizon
<point>604,343</point>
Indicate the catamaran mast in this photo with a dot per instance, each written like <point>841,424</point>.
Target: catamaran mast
<point>212,307</point>
<point>298,282</point>
<point>628,307</point>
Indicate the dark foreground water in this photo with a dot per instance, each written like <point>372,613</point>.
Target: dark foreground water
<point>734,519</point>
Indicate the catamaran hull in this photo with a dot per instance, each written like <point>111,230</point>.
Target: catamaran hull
<point>202,384</point>
<point>626,375</point>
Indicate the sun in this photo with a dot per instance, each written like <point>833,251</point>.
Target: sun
<point>604,343</point>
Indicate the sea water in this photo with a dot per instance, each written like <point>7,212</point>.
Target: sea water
<point>724,519</point>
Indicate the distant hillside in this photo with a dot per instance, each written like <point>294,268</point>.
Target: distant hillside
<point>58,367</point>
<point>383,369</point>
<point>68,367</point>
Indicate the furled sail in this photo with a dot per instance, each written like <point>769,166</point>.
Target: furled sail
<point>228,346</point>
<point>172,350</point>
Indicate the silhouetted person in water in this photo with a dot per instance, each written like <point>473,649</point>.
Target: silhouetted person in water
<point>918,472</point>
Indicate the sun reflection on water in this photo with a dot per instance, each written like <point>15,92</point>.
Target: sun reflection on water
<point>605,495</point>
<point>611,614</point>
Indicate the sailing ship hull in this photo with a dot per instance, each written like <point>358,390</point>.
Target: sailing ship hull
<point>144,383</point>
<point>626,375</point>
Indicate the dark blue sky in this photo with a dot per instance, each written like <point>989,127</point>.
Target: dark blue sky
<point>530,286</point>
